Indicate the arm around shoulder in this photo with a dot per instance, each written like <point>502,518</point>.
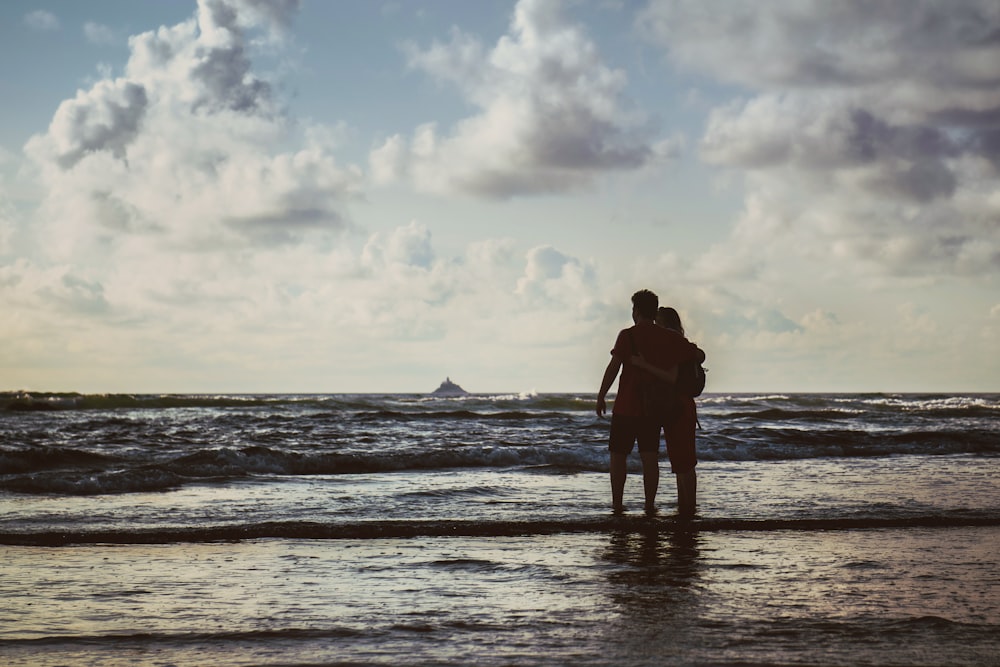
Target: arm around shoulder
<point>667,375</point>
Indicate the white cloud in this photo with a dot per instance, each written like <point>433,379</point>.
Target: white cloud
<point>490,253</point>
<point>187,223</point>
<point>187,148</point>
<point>871,130</point>
<point>554,278</point>
<point>899,48</point>
<point>408,246</point>
<point>6,228</point>
<point>8,213</point>
<point>41,19</point>
<point>97,33</point>
<point>180,204</point>
<point>194,237</point>
<point>551,115</point>
<point>106,117</point>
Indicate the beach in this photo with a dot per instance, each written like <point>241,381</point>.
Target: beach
<point>859,597</point>
<point>505,552</point>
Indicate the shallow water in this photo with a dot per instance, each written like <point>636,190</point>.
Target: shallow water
<point>910,596</point>
<point>945,488</point>
<point>275,530</point>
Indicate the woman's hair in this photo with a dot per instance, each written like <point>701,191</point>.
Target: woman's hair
<point>669,318</point>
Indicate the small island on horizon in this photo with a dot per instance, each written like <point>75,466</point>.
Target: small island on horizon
<point>449,388</point>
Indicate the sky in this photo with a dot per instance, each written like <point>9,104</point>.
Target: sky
<point>368,196</point>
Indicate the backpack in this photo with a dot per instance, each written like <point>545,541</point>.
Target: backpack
<point>690,375</point>
<point>690,378</point>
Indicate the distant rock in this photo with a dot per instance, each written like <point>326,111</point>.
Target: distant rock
<point>449,388</point>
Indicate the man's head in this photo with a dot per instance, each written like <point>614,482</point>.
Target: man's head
<point>644,304</point>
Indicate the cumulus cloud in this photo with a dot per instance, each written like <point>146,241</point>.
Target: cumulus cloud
<point>177,200</point>
<point>408,246</point>
<point>187,222</point>
<point>188,147</point>
<point>41,19</point>
<point>553,277</point>
<point>551,115</point>
<point>104,118</point>
<point>870,129</point>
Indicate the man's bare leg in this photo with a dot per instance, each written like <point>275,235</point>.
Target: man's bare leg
<point>687,492</point>
<point>619,470</point>
<point>650,477</point>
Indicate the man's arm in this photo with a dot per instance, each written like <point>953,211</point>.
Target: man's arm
<point>610,373</point>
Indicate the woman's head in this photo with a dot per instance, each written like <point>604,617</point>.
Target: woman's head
<point>667,317</point>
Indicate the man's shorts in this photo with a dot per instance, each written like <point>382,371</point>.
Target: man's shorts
<point>626,430</point>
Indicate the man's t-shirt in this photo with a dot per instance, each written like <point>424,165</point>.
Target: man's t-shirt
<point>663,348</point>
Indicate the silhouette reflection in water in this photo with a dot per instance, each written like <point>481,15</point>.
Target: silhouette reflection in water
<point>653,583</point>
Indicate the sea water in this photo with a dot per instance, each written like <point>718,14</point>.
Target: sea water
<point>410,529</point>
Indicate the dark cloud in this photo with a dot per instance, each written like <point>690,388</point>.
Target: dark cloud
<point>574,138</point>
<point>223,67</point>
<point>979,130</point>
<point>913,155</point>
<point>873,138</point>
<point>816,43</point>
<point>224,74</point>
<point>285,226</point>
<point>987,144</point>
<point>105,118</point>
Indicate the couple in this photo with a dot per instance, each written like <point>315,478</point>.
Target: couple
<point>654,347</point>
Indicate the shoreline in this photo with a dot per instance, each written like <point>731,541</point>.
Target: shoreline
<point>868,597</point>
<point>374,530</point>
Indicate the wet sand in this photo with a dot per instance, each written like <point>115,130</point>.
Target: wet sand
<point>876,596</point>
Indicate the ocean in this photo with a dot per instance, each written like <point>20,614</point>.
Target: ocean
<point>409,529</point>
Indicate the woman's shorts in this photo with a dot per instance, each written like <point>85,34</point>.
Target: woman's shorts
<point>679,434</point>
